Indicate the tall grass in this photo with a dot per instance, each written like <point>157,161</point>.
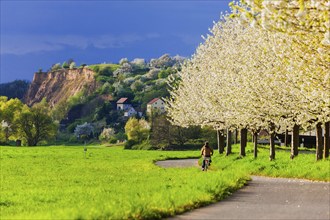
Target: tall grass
<point>112,183</point>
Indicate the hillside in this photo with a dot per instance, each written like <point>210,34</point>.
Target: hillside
<point>58,86</point>
<point>89,93</point>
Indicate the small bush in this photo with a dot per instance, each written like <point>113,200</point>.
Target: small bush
<point>56,66</point>
<point>95,68</point>
<point>73,139</point>
<point>121,136</point>
<point>70,128</point>
<point>72,65</point>
<point>65,65</point>
<point>113,140</point>
<point>129,144</point>
<point>145,145</point>
<point>107,134</point>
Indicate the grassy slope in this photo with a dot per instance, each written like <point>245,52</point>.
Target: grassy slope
<point>303,166</point>
<point>102,67</point>
<point>59,182</point>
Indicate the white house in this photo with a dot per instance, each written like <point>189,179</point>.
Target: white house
<point>157,105</point>
<point>127,108</point>
<point>130,112</point>
<point>122,104</point>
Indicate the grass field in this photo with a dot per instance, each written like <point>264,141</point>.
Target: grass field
<point>304,166</point>
<point>112,183</point>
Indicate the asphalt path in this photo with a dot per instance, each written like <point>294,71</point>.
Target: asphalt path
<point>177,163</point>
<point>265,198</point>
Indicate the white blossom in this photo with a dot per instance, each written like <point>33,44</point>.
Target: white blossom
<point>243,76</point>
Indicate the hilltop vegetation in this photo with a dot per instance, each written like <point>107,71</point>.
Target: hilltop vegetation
<point>137,80</point>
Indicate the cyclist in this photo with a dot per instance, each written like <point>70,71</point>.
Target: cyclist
<point>206,152</point>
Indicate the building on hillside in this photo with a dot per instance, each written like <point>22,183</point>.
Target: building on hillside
<point>123,104</point>
<point>156,105</point>
<point>139,111</point>
<point>130,112</point>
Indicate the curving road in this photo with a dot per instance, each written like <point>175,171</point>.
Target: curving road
<point>266,198</point>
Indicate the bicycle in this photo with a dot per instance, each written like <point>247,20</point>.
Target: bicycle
<point>206,163</point>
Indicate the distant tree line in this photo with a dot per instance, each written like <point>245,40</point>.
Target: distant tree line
<point>15,89</point>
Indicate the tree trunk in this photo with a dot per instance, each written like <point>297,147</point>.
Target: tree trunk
<point>255,141</point>
<point>326,139</point>
<point>169,136</point>
<point>286,138</point>
<point>236,136</point>
<point>272,146</point>
<point>221,142</point>
<point>18,143</point>
<point>319,141</point>
<point>228,142</point>
<point>294,141</point>
<point>271,142</point>
<point>243,141</point>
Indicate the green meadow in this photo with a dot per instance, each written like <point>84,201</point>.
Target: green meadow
<point>62,182</point>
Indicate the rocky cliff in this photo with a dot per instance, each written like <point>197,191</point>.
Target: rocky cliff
<point>57,86</point>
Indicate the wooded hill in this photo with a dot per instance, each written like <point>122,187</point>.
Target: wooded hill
<point>89,93</point>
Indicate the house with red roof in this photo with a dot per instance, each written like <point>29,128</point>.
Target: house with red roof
<point>156,105</point>
<point>123,104</point>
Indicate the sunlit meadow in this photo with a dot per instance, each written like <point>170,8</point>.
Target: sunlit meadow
<point>62,182</point>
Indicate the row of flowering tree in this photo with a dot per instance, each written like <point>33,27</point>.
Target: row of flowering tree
<point>265,66</point>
